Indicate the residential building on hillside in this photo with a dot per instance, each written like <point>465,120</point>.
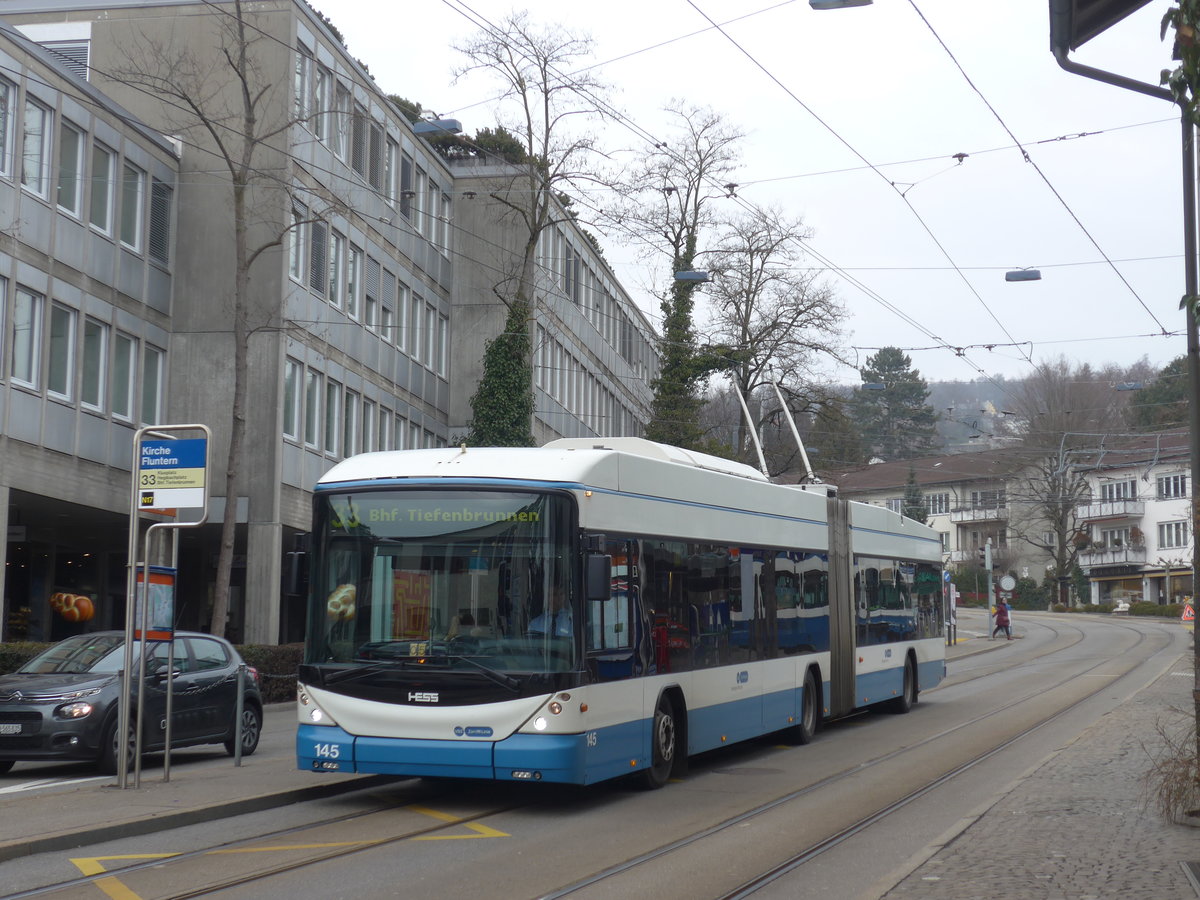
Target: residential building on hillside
<point>1135,539</point>
<point>87,267</point>
<point>354,313</point>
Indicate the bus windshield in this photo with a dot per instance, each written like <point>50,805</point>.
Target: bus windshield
<point>472,580</point>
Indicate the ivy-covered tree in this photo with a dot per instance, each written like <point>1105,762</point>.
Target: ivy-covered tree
<point>538,105</point>
<point>669,191</point>
<point>891,407</point>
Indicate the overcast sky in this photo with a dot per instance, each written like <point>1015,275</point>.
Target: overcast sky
<point>917,243</point>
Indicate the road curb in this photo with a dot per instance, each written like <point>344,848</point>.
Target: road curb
<point>177,819</point>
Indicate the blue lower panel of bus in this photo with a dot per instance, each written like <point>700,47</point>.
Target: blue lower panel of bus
<point>522,757</point>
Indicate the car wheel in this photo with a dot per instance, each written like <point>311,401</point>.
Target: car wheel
<point>110,747</point>
<point>5,765</point>
<point>251,731</point>
<point>662,745</point>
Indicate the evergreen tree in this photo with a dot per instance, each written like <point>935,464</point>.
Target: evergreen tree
<point>896,420</point>
<point>1164,402</point>
<point>503,402</point>
<point>914,499</point>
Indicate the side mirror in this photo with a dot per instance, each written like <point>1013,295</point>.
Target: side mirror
<point>599,576</point>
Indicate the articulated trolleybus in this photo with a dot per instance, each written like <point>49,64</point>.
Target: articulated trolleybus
<point>595,608</point>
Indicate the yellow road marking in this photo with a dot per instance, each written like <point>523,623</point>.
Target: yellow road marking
<point>112,886</point>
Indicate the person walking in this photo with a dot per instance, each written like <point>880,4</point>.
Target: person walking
<point>1003,623</point>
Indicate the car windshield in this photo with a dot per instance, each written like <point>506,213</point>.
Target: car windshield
<point>85,653</point>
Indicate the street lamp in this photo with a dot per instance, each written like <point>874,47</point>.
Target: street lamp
<point>1023,275</point>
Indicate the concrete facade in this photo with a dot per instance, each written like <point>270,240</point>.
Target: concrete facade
<point>359,337</point>
<point>594,353</point>
<point>88,195</point>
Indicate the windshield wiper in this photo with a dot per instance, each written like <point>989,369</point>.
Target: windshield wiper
<point>505,681</point>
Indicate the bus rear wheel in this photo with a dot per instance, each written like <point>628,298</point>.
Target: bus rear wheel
<point>908,694</point>
<point>662,745</point>
<point>810,715</point>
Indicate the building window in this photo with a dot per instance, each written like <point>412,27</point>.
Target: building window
<point>1119,490</point>
<point>937,504</point>
<point>70,167</point>
<point>895,504</point>
<point>152,372</point>
<point>390,160</point>
<point>1172,535</point>
<point>402,304</point>
<point>333,408</point>
<point>60,368</point>
<point>387,324</point>
<point>406,185</point>
<point>95,361</point>
<point>430,337</point>
<point>358,141</point>
<point>296,245</point>
<point>443,334</point>
<point>1171,487</point>
<point>337,264</point>
<point>375,165</point>
<point>291,398</point>
<point>416,311</point>
<point>312,407</point>
<point>102,188</point>
<point>321,104</point>
<point>27,336</point>
<point>303,84</point>
<point>353,281</point>
<point>317,275</point>
<point>35,162</point>
<point>386,435</point>
<point>341,120</point>
<point>124,370</point>
<point>350,433</point>
<point>368,427</point>
<point>159,243</point>
<point>8,99</point>
<point>133,186</point>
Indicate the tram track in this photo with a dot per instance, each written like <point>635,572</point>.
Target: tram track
<point>750,886</point>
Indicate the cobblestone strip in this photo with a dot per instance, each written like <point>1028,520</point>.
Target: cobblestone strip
<point>1081,827</point>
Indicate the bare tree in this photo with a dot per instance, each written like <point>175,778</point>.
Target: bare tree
<point>771,319</point>
<point>539,102</point>
<point>668,213</point>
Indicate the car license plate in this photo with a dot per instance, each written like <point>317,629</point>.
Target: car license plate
<point>10,727</point>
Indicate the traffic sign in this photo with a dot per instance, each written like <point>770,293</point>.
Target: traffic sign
<point>172,474</point>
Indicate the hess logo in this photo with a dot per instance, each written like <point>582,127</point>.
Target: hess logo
<point>422,697</point>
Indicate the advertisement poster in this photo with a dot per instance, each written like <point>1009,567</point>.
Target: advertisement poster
<point>159,604</point>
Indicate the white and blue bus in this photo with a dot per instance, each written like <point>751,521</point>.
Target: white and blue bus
<point>595,608</point>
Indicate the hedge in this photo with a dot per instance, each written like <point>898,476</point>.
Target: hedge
<point>276,665</point>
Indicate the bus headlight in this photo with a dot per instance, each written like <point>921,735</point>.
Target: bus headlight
<point>310,712</point>
<point>540,723</point>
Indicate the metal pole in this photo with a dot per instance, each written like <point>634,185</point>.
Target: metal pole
<point>1193,359</point>
<point>987,559</point>
<point>237,728</point>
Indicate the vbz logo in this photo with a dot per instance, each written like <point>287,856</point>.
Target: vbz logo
<point>422,697</point>
<point>743,677</point>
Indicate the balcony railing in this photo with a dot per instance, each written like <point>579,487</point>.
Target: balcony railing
<point>1111,509</point>
<point>1125,555</point>
<point>965,514</point>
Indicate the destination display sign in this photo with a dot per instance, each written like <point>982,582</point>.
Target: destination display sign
<point>172,474</point>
